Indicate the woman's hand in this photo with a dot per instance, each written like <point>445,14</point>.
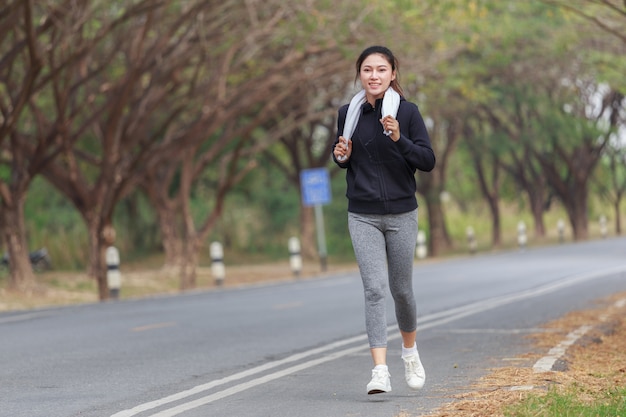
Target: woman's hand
<point>343,149</point>
<point>391,125</point>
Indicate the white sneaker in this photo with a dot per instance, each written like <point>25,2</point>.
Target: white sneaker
<point>414,371</point>
<point>381,382</point>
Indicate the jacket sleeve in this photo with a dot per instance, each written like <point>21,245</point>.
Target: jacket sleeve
<point>341,120</point>
<point>414,142</point>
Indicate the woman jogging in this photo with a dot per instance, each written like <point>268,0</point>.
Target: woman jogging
<point>381,142</point>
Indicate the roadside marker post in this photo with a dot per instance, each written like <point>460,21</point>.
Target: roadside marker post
<point>522,239</point>
<point>295,258</point>
<point>217,262</point>
<point>471,239</point>
<point>560,226</point>
<point>114,276</point>
<point>315,187</point>
<point>422,250</point>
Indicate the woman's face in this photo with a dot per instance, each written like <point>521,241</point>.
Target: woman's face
<point>376,76</point>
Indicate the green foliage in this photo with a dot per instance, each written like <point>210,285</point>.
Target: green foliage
<point>608,67</point>
<point>260,215</point>
<point>611,403</point>
<point>53,223</point>
<point>336,220</point>
<point>136,226</point>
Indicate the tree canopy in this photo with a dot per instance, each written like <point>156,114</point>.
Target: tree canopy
<point>186,104</point>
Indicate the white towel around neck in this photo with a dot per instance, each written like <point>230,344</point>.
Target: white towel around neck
<point>391,102</point>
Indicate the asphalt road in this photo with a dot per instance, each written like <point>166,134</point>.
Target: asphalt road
<point>294,349</point>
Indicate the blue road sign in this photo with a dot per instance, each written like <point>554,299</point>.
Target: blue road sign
<point>315,184</point>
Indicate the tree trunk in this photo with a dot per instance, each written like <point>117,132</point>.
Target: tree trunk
<point>491,191</point>
<point>102,235</point>
<point>97,257</point>
<point>439,237</point>
<point>307,239</point>
<point>101,272</point>
<point>496,224</point>
<point>576,208</point>
<point>537,208</point>
<point>189,264</point>
<point>618,219</point>
<point>170,237</point>
<point>444,137</point>
<point>191,239</point>
<point>21,275</point>
<point>431,186</point>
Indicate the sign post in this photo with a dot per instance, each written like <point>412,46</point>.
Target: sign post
<point>315,185</point>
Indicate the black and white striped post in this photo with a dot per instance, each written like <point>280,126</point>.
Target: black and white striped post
<point>522,239</point>
<point>218,270</point>
<point>295,257</point>
<point>471,239</point>
<point>560,226</point>
<point>114,276</point>
<point>421,251</point>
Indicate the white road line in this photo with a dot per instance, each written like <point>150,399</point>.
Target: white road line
<point>24,317</point>
<point>424,322</point>
<point>546,363</point>
<point>240,375</point>
<point>522,388</point>
<point>154,326</point>
<point>253,383</point>
<point>492,331</point>
<point>288,306</point>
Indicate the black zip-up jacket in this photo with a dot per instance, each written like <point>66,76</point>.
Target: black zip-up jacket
<point>380,172</point>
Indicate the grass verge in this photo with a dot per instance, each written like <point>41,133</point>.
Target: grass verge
<point>611,403</point>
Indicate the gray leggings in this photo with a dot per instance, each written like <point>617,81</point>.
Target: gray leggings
<point>384,246</point>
